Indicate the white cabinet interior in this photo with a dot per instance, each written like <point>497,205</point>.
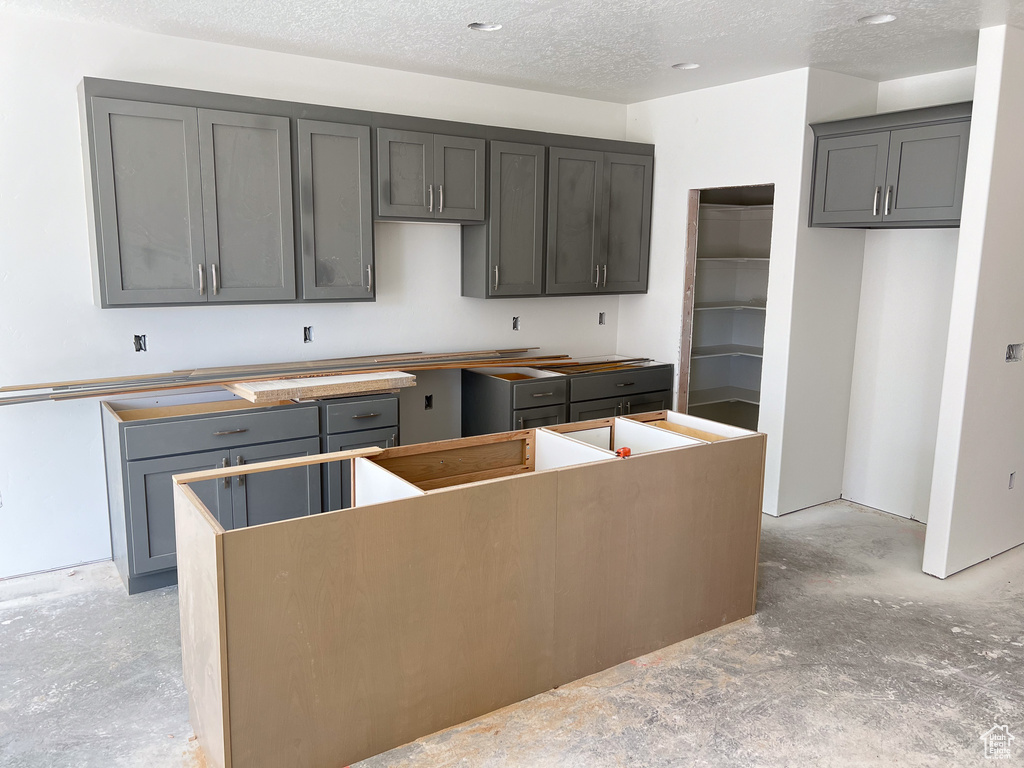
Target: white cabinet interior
<point>730,298</point>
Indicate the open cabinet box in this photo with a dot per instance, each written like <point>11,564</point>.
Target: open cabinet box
<point>468,575</point>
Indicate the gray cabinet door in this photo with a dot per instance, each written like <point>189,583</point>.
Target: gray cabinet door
<point>849,177</point>
<point>459,177</point>
<point>334,210</point>
<point>516,238</point>
<point>595,409</point>
<point>266,497</point>
<point>628,182</point>
<point>575,195</point>
<point>150,202</point>
<point>151,505</point>
<point>653,401</point>
<point>927,167</point>
<point>531,418</point>
<point>339,475</point>
<point>405,174</point>
<point>247,206</point>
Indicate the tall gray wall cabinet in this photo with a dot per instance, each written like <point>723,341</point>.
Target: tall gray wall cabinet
<point>336,222</point>
<point>505,255</point>
<point>194,205</point>
<point>599,222</point>
<point>430,176</point>
<point>902,169</point>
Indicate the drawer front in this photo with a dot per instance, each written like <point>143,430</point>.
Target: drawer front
<point>187,435</point>
<point>362,414</point>
<point>532,394</point>
<point>620,383</point>
<point>531,418</point>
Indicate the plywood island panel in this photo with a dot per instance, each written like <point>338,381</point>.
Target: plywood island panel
<point>486,570</point>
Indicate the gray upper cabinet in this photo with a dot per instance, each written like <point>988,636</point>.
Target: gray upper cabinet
<point>904,169</point>
<point>428,176</point>
<point>149,198</point>
<point>629,185</point>
<point>505,255</point>
<point>336,221</point>
<point>599,222</point>
<point>575,224</point>
<point>247,206</point>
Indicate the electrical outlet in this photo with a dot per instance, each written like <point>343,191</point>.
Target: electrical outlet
<point>140,342</point>
<point>515,323</point>
<point>600,318</point>
<point>1014,353</point>
<point>428,402</point>
<point>307,334</point>
<point>1013,476</point>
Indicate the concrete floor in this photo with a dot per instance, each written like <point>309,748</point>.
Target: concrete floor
<point>855,658</point>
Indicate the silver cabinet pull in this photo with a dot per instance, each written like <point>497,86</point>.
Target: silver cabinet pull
<point>543,394</point>
<point>369,278</point>
<point>231,431</point>
<point>520,422</point>
<point>224,463</point>
<point>241,478</point>
<point>215,273</point>
<point>597,278</point>
<point>627,406</point>
<point>604,276</point>
<point>430,192</point>
<point>365,415</point>
<point>440,198</point>
<point>888,200</point>
<point>625,384</point>
<point>878,197</point>
<point>202,279</point>
<point>390,442</point>
<point>495,277</point>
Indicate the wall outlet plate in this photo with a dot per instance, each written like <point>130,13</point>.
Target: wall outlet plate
<point>1014,353</point>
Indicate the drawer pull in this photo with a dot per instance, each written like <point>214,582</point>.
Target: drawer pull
<point>626,384</point>
<point>543,394</point>
<point>231,432</point>
<point>365,415</point>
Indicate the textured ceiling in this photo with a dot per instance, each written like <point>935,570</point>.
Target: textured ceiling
<point>615,51</point>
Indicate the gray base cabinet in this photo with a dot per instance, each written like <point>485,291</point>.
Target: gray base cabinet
<point>430,176</point>
<point>502,400</point>
<point>620,393</point>
<point>904,169</point>
<point>146,446</point>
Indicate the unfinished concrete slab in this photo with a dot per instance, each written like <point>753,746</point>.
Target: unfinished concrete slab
<point>854,658</point>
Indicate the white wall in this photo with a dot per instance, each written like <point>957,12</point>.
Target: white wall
<point>755,132</point>
<point>980,440</point>
<point>901,338</point>
<point>52,490</point>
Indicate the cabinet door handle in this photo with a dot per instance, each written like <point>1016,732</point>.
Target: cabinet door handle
<point>202,279</point>
<point>627,406</point>
<point>231,431</point>
<point>430,193</point>
<point>604,276</point>
<point>239,460</point>
<point>625,384</point>
<point>440,198</point>
<point>888,200</point>
<point>369,278</point>
<point>543,394</point>
<point>390,442</point>
<point>597,277</point>
<point>365,415</point>
<point>225,464</point>
<point>874,204</point>
<point>520,422</point>
<point>215,273</point>
<point>495,277</point>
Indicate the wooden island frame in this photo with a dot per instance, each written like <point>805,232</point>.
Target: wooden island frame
<point>469,574</point>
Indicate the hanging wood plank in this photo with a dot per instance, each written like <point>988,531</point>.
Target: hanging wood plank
<point>311,388</point>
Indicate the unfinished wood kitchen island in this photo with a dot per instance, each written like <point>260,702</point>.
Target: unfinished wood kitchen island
<point>469,574</point>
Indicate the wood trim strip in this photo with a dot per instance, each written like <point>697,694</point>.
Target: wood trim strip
<point>269,466</point>
<point>689,279</point>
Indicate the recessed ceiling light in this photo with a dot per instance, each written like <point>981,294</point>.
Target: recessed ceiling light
<point>876,18</point>
<point>686,65</point>
<point>485,26</point>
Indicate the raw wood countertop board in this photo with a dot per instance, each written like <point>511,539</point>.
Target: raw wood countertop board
<point>320,386</point>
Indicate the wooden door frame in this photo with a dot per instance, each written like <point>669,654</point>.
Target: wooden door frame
<point>689,278</point>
